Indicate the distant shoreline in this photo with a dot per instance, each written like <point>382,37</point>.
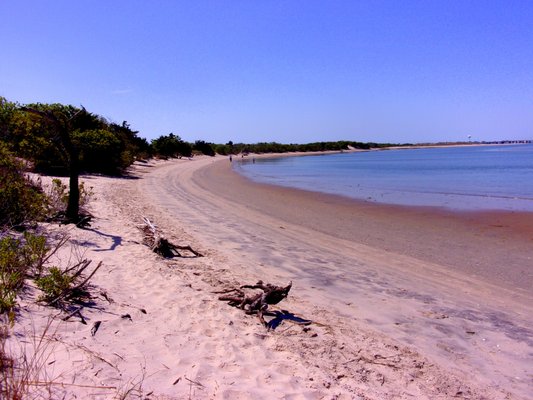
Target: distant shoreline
<point>356,150</point>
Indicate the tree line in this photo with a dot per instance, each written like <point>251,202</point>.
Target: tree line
<point>42,133</point>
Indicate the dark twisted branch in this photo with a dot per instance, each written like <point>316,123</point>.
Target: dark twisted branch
<point>257,303</point>
<point>160,245</point>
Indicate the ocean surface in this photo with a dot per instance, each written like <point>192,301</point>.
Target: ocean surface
<point>463,178</point>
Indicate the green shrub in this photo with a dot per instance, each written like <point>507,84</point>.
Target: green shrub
<point>204,148</point>
<point>35,252</point>
<point>13,270</point>
<point>171,146</point>
<point>21,199</point>
<point>20,258</point>
<point>100,151</point>
<point>62,286</point>
<point>54,284</point>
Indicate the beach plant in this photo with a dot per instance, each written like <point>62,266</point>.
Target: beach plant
<point>14,266</point>
<point>203,147</point>
<point>13,270</point>
<point>24,370</point>
<point>54,284</point>
<point>21,199</point>
<point>58,196</point>
<point>22,257</point>
<point>61,123</point>
<point>171,146</point>
<point>60,286</point>
<point>36,252</point>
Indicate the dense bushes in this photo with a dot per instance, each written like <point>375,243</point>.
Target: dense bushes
<point>21,199</point>
<point>99,151</point>
<point>204,148</point>
<point>48,135</point>
<point>171,146</point>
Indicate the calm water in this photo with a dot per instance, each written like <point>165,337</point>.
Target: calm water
<point>467,178</point>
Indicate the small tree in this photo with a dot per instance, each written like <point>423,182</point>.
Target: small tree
<point>63,121</point>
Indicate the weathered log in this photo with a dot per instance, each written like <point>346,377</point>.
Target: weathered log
<point>257,303</point>
<point>160,245</point>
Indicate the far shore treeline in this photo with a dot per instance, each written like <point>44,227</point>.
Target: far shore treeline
<point>36,132</point>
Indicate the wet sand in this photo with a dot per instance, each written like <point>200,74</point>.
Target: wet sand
<point>493,247</point>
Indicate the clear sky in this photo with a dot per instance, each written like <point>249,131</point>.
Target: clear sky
<point>292,71</point>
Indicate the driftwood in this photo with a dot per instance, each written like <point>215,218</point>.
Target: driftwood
<point>256,303</point>
<point>160,245</point>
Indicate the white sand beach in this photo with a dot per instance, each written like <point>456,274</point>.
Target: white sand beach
<point>406,303</point>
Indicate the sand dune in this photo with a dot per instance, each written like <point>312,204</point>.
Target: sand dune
<point>396,315</point>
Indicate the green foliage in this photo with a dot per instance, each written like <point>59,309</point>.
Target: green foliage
<point>12,272</point>
<point>100,151</point>
<point>110,148</point>
<point>21,200</point>
<point>221,149</point>
<point>35,252</point>
<point>61,286</point>
<point>19,258</point>
<point>171,146</point>
<point>134,146</point>
<point>204,148</point>
<point>44,133</point>
<point>40,134</point>
<point>7,112</point>
<point>54,284</point>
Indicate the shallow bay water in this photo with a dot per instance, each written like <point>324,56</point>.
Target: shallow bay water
<point>496,177</point>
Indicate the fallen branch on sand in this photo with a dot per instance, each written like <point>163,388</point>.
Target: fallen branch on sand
<point>160,245</point>
<point>258,303</point>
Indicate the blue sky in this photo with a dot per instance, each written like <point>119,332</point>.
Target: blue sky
<point>288,71</point>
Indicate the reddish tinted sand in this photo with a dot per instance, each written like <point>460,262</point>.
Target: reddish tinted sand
<point>496,247</point>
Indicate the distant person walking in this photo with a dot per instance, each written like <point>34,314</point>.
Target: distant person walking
<point>230,158</point>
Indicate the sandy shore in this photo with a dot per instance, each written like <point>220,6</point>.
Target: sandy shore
<point>406,303</point>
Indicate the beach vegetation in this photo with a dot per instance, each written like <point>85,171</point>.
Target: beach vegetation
<point>109,148</point>
<point>66,140</point>
<point>59,123</point>
<point>61,286</point>
<point>21,198</point>
<point>20,257</point>
<point>49,135</point>
<point>23,371</point>
<point>203,147</point>
<point>54,283</point>
<point>224,149</point>
<point>171,146</point>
